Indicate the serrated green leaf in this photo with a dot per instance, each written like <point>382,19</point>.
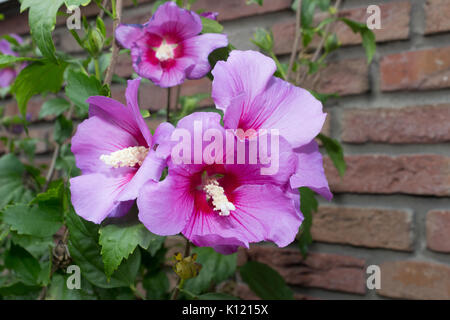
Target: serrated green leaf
<point>156,285</point>
<point>265,282</point>
<point>211,26</point>
<point>335,152</point>
<point>42,20</point>
<point>216,268</point>
<point>85,251</point>
<point>24,266</point>
<point>37,78</point>
<point>58,289</point>
<point>36,246</point>
<point>54,107</point>
<point>80,87</point>
<point>12,189</point>
<point>119,241</point>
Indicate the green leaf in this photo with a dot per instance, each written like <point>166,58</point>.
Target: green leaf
<point>19,290</point>
<point>80,87</point>
<point>23,265</point>
<point>54,107</point>
<point>216,296</point>
<point>6,60</point>
<point>369,44</point>
<point>211,26</point>
<point>335,151</point>
<point>37,78</point>
<point>265,281</point>
<point>216,268</point>
<point>72,4</point>
<point>12,189</point>
<point>119,241</point>
<point>145,114</point>
<point>36,246</point>
<point>85,251</point>
<point>258,2</point>
<point>42,20</point>
<point>58,290</point>
<point>62,130</point>
<point>263,39</point>
<point>32,220</point>
<point>156,285</point>
<point>220,54</point>
<point>308,205</point>
<point>323,97</point>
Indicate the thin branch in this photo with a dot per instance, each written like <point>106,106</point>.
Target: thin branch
<point>117,11</point>
<point>321,44</point>
<point>169,96</point>
<point>298,33</point>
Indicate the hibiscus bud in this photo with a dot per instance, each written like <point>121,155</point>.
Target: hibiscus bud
<point>186,268</point>
<point>95,42</point>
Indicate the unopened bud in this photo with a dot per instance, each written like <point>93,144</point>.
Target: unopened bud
<point>186,268</point>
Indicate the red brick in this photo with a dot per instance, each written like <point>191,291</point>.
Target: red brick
<point>395,18</point>
<point>44,135</point>
<point>33,108</point>
<point>416,70</point>
<point>415,280</point>
<point>234,9</point>
<point>366,227</point>
<point>382,174</point>
<point>438,230</point>
<point>437,16</point>
<point>319,270</point>
<point>344,77</point>
<point>425,124</point>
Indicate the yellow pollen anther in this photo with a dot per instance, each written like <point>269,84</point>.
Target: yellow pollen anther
<point>127,157</point>
<point>165,51</point>
<point>219,199</point>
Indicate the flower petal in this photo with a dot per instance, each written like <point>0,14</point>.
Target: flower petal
<point>176,74</point>
<point>7,76</point>
<point>169,19</point>
<point>199,48</point>
<point>244,72</point>
<point>94,195</point>
<point>220,244</point>
<point>161,139</point>
<point>128,34</point>
<point>165,207</point>
<point>310,172</point>
<point>95,137</point>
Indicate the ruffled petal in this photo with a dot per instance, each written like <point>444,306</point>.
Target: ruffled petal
<point>165,207</point>
<point>94,195</point>
<point>118,115</point>
<point>310,172</point>
<point>244,72</point>
<point>220,244</point>
<point>96,137</point>
<point>162,139</point>
<point>199,48</point>
<point>128,34</point>
<point>169,19</point>
<point>176,74</point>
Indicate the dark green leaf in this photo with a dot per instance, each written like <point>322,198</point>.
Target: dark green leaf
<point>335,151</point>
<point>258,2</point>
<point>25,267</point>
<point>216,268</point>
<point>58,290</point>
<point>308,205</point>
<point>6,60</point>
<point>265,281</point>
<point>216,296</point>
<point>37,78</point>
<point>62,130</point>
<point>36,246</point>
<point>119,241</point>
<point>156,285</point>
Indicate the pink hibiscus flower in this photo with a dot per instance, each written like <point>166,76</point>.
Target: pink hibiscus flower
<point>116,154</point>
<point>168,49</point>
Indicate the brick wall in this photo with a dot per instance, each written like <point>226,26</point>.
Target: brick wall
<point>392,208</point>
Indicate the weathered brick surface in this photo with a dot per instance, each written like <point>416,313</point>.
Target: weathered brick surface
<point>416,70</point>
<point>438,230</point>
<point>382,174</point>
<point>33,108</point>
<point>233,9</point>
<point>415,280</point>
<point>345,77</point>
<point>425,124</point>
<point>367,227</point>
<point>244,292</point>
<point>437,16</point>
<point>320,270</point>
<point>395,19</point>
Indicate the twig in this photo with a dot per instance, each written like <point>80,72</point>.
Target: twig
<point>177,95</point>
<point>117,12</point>
<point>187,252</point>
<point>169,94</point>
<point>320,46</point>
<point>296,40</point>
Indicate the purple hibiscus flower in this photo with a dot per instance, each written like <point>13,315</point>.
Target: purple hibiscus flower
<point>168,49</point>
<point>252,98</point>
<point>116,154</point>
<point>222,205</point>
<point>7,75</point>
<point>210,15</point>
